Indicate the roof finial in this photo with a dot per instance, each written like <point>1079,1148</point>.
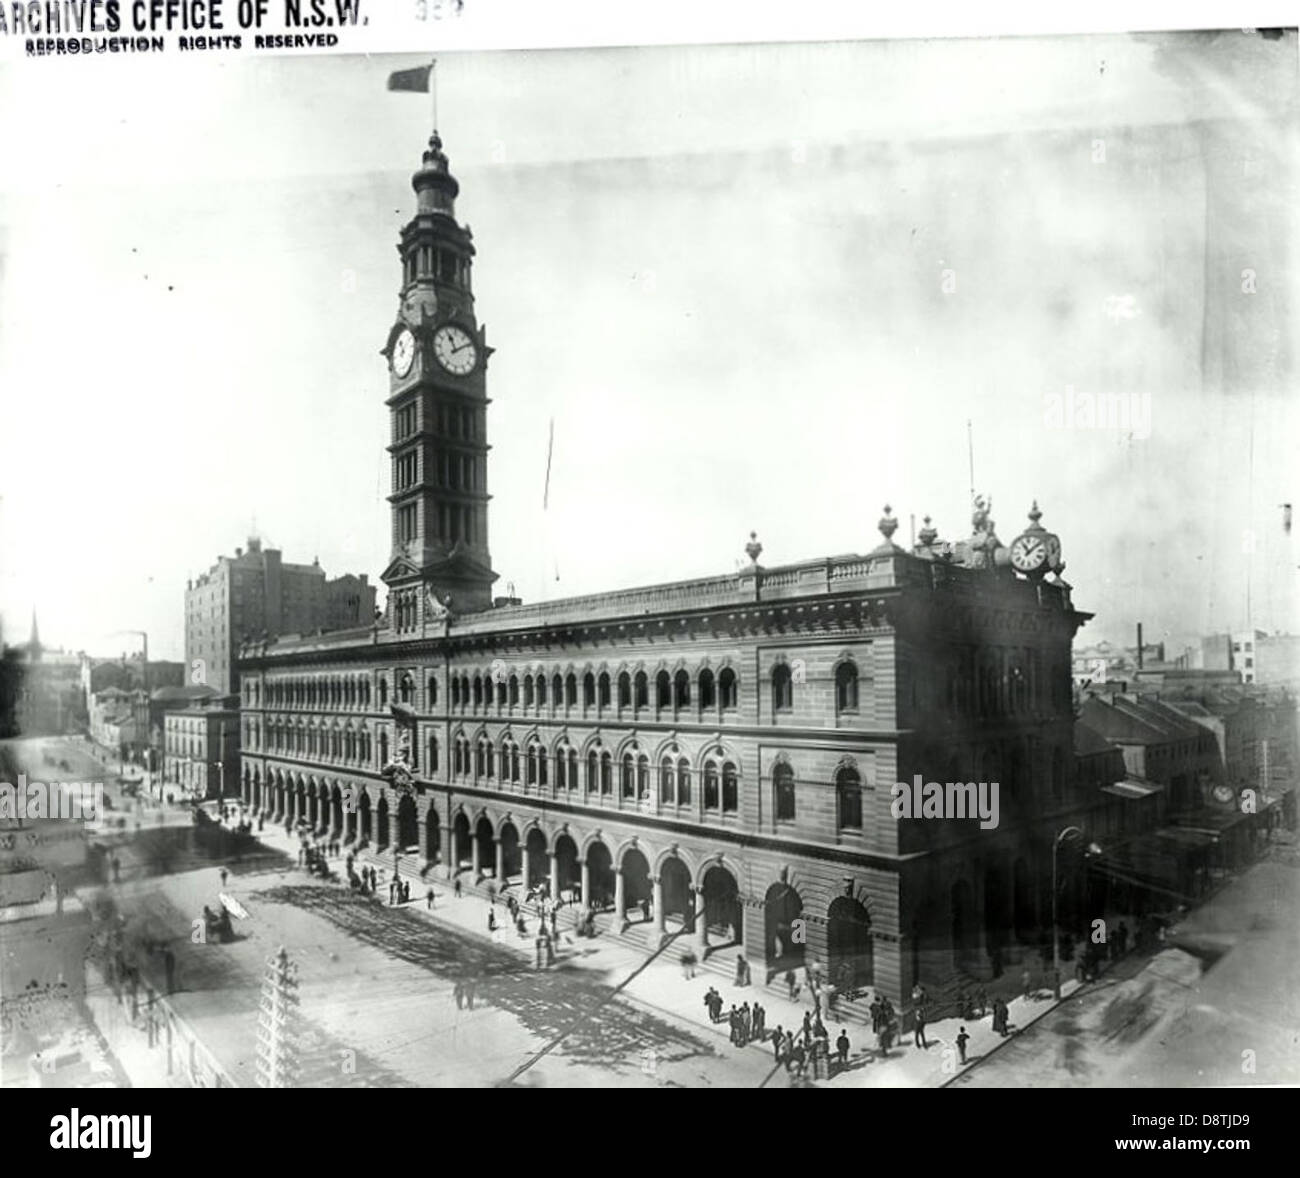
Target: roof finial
<point>888,525</point>
<point>754,549</point>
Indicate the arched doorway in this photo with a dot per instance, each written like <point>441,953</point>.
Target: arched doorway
<point>408,823</point>
<point>381,823</point>
<point>675,887</point>
<point>848,944</point>
<point>363,816</point>
<point>962,907</point>
<point>300,806</point>
<point>1023,915</point>
<point>510,861</point>
<point>996,918</point>
<point>636,883</point>
<point>336,811</point>
<point>567,869</point>
<point>432,830</point>
<point>312,812</point>
<point>462,846</point>
<point>784,940</point>
<point>600,875</point>
<point>487,852</point>
<point>539,862</point>
<point>722,909</point>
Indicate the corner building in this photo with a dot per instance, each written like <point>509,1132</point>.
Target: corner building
<point>714,756</point>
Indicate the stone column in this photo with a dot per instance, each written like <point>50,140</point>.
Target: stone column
<point>394,829</point>
<point>657,904</point>
<point>523,864</point>
<point>619,900</point>
<point>701,925</point>
<point>448,837</point>
<point>555,876</point>
<point>500,864</point>
<point>475,857</point>
<point>586,884</point>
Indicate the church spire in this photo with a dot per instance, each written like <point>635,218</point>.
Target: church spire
<point>34,646</point>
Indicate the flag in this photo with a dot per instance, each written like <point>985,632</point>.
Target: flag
<point>416,79</point>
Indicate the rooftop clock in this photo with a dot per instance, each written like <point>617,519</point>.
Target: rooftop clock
<point>403,352</point>
<point>1036,551</point>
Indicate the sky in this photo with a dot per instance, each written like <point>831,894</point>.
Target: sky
<point>757,287</point>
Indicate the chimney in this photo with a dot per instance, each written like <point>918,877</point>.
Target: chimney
<point>1139,646</point>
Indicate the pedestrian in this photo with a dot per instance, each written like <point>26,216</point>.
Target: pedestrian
<point>884,1037</point>
<point>760,1022</point>
<point>806,1032</point>
<point>458,992</point>
<point>455,888</point>
<point>392,892</point>
<point>842,1047</point>
<point>746,1023</point>
<point>708,1003</point>
<point>875,1015</point>
<point>778,1042</point>
<point>224,874</point>
<point>733,1021</point>
<point>1026,983</point>
<point>791,986</point>
<point>799,1055</point>
<point>492,921</point>
<point>1000,1017</point>
<point>406,891</point>
<point>817,1003</point>
<point>261,818</point>
<point>428,900</point>
<point>742,968</point>
<point>555,932</point>
<point>787,1048</point>
<point>645,908</point>
<point>920,1038</point>
<point>688,964</point>
<point>470,986</point>
<point>962,1040</point>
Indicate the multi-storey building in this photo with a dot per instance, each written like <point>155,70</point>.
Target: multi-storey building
<point>715,756</point>
<point>256,593</point>
<point>201,748</point>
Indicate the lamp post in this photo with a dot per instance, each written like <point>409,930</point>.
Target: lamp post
<point>1093,849</point>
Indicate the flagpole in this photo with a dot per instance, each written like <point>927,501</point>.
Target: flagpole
<point>433,91</point>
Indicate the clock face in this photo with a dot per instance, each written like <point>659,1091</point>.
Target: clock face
<point>455,350</point>
<point>403,353</point>
<point>1223,793</point>
<point>1028,553</point>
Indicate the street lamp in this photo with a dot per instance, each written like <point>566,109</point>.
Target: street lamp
<point>1092,849</point>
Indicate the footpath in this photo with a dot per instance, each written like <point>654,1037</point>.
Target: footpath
<point>658,981</point>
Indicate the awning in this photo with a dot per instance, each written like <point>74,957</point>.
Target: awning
<point>1132,790</point>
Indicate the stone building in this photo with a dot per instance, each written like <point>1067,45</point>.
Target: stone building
<point>256,592</point>
<point>714,756</point>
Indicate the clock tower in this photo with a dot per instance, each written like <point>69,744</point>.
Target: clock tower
<point>437,399</point>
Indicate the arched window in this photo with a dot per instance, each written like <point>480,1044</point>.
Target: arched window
<point>667,782</point>
<point>532,762</point>
<point>512,692</point>
<point>602,690</point>
<point>683,782</point>
<point>571,690</point>
<point>455,691</point>
<point>557,691</point>
<point>730,788</point>
<point>783,787</point>
<point>846,687</point>
<point>480,760</point>
<point>663,690</point>
<point>478,692</point>
<point>641,698</point>
<point>433,693</point>
<point>383,691</point>
<point>541,691</point>
<point>383,748</point>
<point>681,690</point>
<point>848,792</point>
<point>589,690</point>
<point>628,776</point>
<point>501,692</point>
<point>708,691</point>
<point>624,690</point>
<point>711,796</point>
<point>528,691</point>
<point>593,772</point>
<point>433,754</point>
<point>782,688</point>
<point>406,688</point>
<point>561,765</point>
<point>728,689</point>
<point>606,773</point>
